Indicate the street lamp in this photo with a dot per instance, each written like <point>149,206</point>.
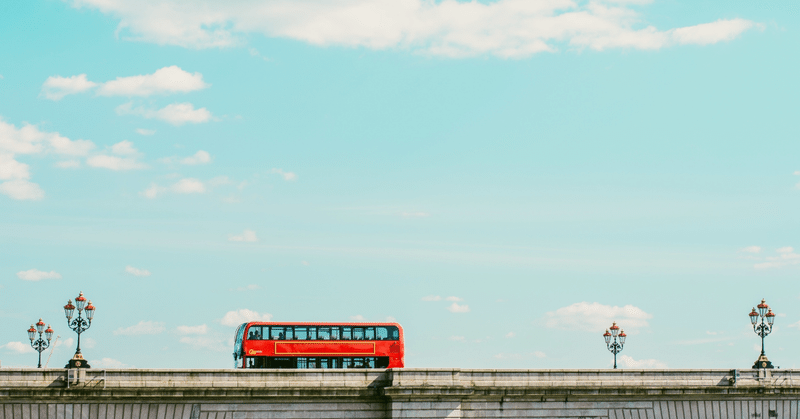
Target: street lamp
<point>616,346</point>
<point>79,325</point>
<point>40,344</point>
<point>762,329</point>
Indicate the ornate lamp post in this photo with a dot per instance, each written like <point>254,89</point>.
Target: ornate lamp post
<point>40,344</point>
<point>79,325</point>
<point>762,329</point>
<point>616,346</point>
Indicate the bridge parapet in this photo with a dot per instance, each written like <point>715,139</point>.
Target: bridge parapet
<point>400,393</point>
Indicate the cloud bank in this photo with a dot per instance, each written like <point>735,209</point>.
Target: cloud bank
<point>503,28</point>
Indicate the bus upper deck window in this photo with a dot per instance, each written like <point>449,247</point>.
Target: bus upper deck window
<point>347,333</point>
<point>254,333</point>
<point>312,333</point>
<point>301,332</point>
<point>324,333</point>
<point>370,333</point>
<point>358,333</point>
<point>381,333</point>
<point>394,333</point>
<point>336,333</point>
<point>276,332</point>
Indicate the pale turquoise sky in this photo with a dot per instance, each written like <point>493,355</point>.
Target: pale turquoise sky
<point>504,178</point>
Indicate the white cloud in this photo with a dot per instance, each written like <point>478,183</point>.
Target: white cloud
<point>188,185</point>
<point>109,363</point>
<point>104,161</point>
<point>18,347</point>
<point>183,186</point>
<point>201,157</point>
<point>458,308</point>
<point>246,236</point>
<point>153,191</point>
<point>454,299</point>
<point>504,28</point>
<point>12,169</point>
<point>37,275</point>
<point>22,189</point>
<point>711,33</point>
<point>751,249</point>
<point>785,257</point>
<point>56,87</point>
<point>142,328</point>
<point>124,148</point>
<point>166,80</point>
<point>136,271</point>
<point>539,354</point>
<point>193,330</point>
<point>285,175</point>
<point>68,164</point>
<point>510,335</point>
<point>596,317</point>
<point>431,298</point>
<point>629,362</point>
<point>142,131</point>
<point>235,318</point>
<point>213,344</point>
<point>30,140</point>
<point>251,287</point>
<point>176,114</point>
<point>457,338</point>
<point>67,343</point>
<point>358,318</point>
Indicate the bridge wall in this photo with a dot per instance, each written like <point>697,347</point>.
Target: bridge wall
<point>402,393</point>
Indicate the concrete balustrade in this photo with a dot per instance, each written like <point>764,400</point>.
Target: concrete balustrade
<point>402,393</point>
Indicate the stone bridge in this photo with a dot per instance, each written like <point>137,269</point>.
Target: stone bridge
<point>399,393</point>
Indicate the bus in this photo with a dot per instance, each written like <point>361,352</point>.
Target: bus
<point>318,345</point>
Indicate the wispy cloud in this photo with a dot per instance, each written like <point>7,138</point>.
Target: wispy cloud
<point>176,114</point>
<point>784,256</point>
<point>37,275</point>
<point>56,87</point>
<point>596,317</point>
<point>136,271</point>
<point>246,236</point>
<point>193,330</point>
<point>142,328</point>
<point>503,28</point>
<point>237,317</point>
<point>458,308</point>
<point>284,174</point>
<point>167,80</point>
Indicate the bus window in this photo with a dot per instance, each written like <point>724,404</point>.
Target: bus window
<point>358,333</point>
<point>312,333</point>
<point>336,333</point>
<point>254,333</point>
<point>394,333</point>
<point>278,333</point>
<point>301,332</point>
<point>324,333</point>
<point>370,333</point>
<point>347,333</point>
<point>381,333</point>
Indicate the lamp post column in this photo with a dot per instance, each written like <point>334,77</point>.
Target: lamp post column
<point>40,344</point>
<point>762,329</point>
<point>616,345</point>
<point>79,325</point>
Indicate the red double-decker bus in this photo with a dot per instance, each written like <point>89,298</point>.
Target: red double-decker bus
<point>318,345</point>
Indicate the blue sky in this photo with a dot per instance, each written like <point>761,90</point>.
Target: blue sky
<point>504,178</point>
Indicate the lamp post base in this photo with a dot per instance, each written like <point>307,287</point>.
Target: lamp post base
<point>77,361</point>
<point>763,362</point>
